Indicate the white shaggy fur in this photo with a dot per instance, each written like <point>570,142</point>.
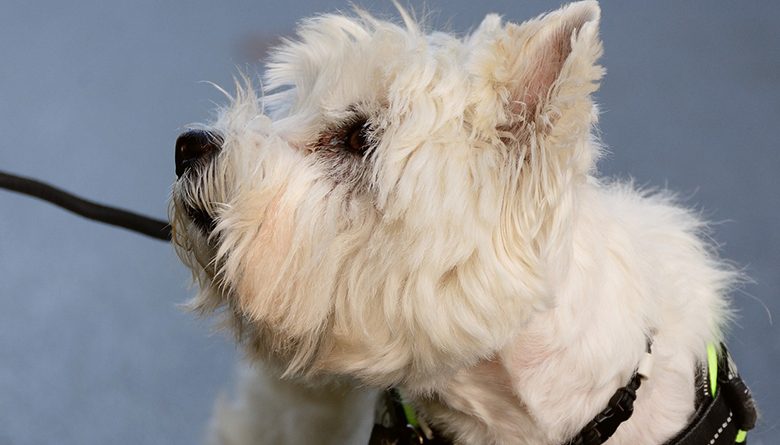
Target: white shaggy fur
<point>470,256</point>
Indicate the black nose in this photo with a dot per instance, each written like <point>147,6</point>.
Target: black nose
<point>193,145</point>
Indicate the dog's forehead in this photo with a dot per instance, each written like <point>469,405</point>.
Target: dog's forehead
<point>337,62</point>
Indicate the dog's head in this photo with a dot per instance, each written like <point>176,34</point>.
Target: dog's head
<point>395,203</point>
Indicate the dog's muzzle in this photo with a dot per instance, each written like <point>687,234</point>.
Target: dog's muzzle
<point>195,146</point>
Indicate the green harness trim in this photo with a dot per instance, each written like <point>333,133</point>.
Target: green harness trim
<point>725,409</point>
<point>729,402</point>
<point>411,416</point>
<point>712,365</point>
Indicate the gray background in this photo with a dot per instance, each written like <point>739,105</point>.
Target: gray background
<point>93,348</point>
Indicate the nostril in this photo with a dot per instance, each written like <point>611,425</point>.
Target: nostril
<point>193,145</point>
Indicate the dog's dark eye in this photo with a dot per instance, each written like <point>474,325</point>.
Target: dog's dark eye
<point>355,138</point>
<point>352,137</point>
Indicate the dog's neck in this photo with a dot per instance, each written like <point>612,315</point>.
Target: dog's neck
<point>567,362</point>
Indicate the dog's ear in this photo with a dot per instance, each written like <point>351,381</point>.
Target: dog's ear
<point>532,85</point>
<point>540,73</point>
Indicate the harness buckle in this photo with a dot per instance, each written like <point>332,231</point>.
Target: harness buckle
<point>737,394</point>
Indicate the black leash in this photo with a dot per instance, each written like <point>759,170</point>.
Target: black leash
<point>154,228</point>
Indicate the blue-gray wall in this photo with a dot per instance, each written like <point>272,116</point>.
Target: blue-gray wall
<point>93,348</point>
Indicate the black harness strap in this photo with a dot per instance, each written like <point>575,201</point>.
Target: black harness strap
<point>707,428</point>
<point>725,417</point>
<point>722,418</point>
<point>618,410</point>
<point>393,425</point>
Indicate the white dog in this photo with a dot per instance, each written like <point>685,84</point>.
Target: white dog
<point>422,211</point>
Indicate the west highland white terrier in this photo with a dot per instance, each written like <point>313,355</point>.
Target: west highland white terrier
<point>421,211</point>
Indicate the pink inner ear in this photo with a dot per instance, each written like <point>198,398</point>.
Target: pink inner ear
<point>545,65</point>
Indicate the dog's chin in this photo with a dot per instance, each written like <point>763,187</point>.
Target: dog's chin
<point>190,212</point>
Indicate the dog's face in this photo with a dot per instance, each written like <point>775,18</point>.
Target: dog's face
<point>396,202</point>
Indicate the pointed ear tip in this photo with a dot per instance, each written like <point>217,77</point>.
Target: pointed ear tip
<point>491,19</point>
<point>588,9</point>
